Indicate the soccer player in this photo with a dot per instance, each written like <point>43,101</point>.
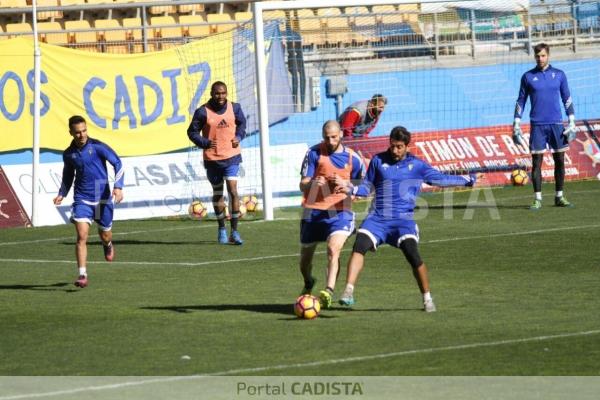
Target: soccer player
<point>328,216</point>
<point>546,86</point>
<point>396,177</point>
<point>360,118</point>
<point>218,127</point>
<point>85,162</point>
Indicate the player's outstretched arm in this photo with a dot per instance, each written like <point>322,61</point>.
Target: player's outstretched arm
<point>436,178</point>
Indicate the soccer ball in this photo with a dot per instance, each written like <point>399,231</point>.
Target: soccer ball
<point>250,202</point>
<point>307,307</point>
<point>519,177</point>
<point>197,209</point>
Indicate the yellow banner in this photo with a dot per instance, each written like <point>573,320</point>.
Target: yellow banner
<point>138,103</point>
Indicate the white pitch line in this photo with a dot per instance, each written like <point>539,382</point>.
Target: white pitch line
<point>183,264</point>
<point>558,229</point>
<point>206,226</point>
<point>114,234</point>
<point>302,365</point>
<point>239,260</point>
<point>406,353</point>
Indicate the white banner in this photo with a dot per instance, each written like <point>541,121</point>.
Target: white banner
<point>163,185</point>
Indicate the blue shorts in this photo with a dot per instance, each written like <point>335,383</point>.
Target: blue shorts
<point>216,175</point>
<point>390,231</point>
<point>550,134</point>
<point>101,212</point>
<point>318,228</point>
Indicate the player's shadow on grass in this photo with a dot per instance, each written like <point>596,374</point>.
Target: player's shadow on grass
<point>146,242</point>
<point>475,206</point>
<point>61,287</point>
<point>283,309</point>
<point>259,308</point>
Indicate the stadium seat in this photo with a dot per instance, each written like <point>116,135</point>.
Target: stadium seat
<point>332,18</point>
<point>82,40</point>
<point>242,16</point>
<point>2,35</point>
<point>275,15</point>
<point>220,22</point>
<point>134,34</point>
<point>387,14</point>
<point>163,34</point>
<point>113,41</point>
<point>14,3</point>
<point>59,38</point>
<point>48,15</point>
<point>410,12</point>
<point>19,28</point>
<point>71,2</point>
<point>190,9</point>
<point>310,27</point>
<point>189,28</point>
<point>162,10</point>
<point>335,25</point>
<point>363,23</point>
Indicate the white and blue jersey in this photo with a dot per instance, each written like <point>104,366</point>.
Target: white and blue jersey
<point>398,183</point>
<point>546,89</point>
<point>87,166</point>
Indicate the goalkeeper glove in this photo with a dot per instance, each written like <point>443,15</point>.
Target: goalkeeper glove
<point>571,131</point>
<point>472,180</point>
<point>517,132</point>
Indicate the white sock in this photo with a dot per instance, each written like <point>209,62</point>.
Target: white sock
<point>82,271</point>
<point>427,296</point>
<point>538,196</point>
<point>559,193</point>
<point>349,288</point>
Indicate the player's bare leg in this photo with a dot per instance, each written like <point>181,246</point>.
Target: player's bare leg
<point>422,277</point>
<point>109,250</point>
<point>306,256</point>
<point>218,201</point>
<point>355,265</point>
<point>82,229</point>
<point>334,248</point>
<point>234,201</point>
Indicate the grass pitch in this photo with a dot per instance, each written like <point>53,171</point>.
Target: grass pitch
<point>516,291</point>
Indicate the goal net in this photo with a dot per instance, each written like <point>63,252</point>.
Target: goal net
<point>450,72</point>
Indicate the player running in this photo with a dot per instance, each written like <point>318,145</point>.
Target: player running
<point>327,216</point>
<point>85,162</point>
<point>396,177</point>
<point>218,127</point>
